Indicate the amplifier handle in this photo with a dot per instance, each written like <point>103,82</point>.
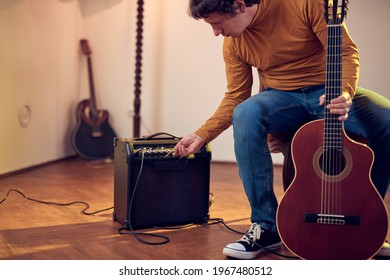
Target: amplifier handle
<point>155,135</point>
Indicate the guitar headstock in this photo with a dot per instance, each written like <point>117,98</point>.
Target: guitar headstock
<point>85,49</point>
<point>335,11</point>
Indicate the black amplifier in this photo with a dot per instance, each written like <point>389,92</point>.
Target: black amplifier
<point>152,188</point>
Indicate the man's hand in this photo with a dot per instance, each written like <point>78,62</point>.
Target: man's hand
<point>339,105</point>
<point>189,144</point>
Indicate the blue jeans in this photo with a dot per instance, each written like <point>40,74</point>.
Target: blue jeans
<point>274,111</point>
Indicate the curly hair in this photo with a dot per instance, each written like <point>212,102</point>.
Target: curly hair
<point>199,9</point>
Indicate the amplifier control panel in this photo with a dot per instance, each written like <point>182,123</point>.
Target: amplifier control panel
<point>153,149</point>
<point>155,152</point>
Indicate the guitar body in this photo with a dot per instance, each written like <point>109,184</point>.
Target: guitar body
<point>331,215</point>
<point>88,143</point>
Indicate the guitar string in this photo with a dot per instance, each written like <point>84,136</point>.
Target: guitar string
<point>330,126</point>
<point>337,122</point>
<point>323,189</point>
<point>325,148</point>
<point>333,158</point>
<point>333,148</point>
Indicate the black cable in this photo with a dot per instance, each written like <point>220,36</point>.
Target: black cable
<point>131,230</point>
<point>55,203</point>
<point>83,211</point>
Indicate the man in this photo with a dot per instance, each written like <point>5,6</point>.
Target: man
<point>285,41</point>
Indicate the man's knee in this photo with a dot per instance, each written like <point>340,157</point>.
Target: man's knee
<point>245,113</point>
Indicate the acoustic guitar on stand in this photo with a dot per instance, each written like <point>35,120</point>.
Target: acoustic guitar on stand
<point>331,210</point>
<point>93,136</point>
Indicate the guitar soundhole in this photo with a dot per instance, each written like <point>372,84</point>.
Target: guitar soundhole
<point>332,162</point>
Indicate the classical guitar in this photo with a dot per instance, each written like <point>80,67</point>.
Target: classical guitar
<point>93,136</point>
<point>331,210</point>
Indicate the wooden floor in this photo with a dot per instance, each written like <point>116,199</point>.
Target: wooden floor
<point>34,231</point>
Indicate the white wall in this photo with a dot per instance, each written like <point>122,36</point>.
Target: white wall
<point>39,68</point>
<point>368,23</point>
<point>183,73</point>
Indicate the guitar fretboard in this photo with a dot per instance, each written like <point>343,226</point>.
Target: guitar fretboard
<point>333,87</point>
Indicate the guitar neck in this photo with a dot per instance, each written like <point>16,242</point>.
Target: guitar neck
<point>333,85</point>
<point>93,105</point>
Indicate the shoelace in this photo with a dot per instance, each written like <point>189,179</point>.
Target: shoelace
<point>252,235</point>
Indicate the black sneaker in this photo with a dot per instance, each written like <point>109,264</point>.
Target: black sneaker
<point>253,243</point>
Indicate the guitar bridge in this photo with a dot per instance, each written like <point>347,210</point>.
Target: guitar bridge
<point>330,219</point>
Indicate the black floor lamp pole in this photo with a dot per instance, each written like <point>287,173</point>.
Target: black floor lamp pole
<point>138,70</point>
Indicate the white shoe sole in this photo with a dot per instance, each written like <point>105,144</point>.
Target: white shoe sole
<point>384,251</point>
<point>244,255</point>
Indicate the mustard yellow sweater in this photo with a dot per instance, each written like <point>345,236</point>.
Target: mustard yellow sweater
<point>286,43</point>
